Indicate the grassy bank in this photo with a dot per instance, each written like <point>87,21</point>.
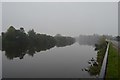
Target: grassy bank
<point>112,66</point>
<point>95,70</point>
<point>101,49</point>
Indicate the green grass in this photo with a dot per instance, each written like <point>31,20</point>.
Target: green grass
<point>112,66</point>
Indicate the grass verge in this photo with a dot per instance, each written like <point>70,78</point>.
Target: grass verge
<point>113,63</point>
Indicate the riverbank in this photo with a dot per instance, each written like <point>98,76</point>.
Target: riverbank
<point>113,63</point>
<point>101,49</point>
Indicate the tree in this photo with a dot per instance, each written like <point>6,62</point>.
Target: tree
<point>63,40</point>
<point>58,35</point>
<point>11,29</point>
<point>17,43</point>
<point>22,30</point>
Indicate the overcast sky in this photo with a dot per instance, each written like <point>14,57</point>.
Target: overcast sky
<point>71,19</point>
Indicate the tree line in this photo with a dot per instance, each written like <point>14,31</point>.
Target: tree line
<point>17,43</point>
<point>88,39</point>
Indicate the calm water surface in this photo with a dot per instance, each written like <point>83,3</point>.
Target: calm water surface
<point>57,62</point>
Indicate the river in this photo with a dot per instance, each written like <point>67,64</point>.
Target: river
<point>57,62</point>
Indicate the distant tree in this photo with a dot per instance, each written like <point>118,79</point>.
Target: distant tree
<point>102,44</point>
<point>14,38</point>
<point>32,37</point>
<point>31,33</point>
<point>89,39</point>
<point>63,40</point>
<point>11,29</point>
<point>22,30</point>
<point>58,35</point>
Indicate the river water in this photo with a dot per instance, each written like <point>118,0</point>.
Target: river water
<point>57,62</point>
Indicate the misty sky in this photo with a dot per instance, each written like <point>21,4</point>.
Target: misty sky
<point>71,19</point>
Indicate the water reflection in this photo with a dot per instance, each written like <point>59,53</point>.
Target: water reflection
<point>63,62</point>
<point>16,51</point>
